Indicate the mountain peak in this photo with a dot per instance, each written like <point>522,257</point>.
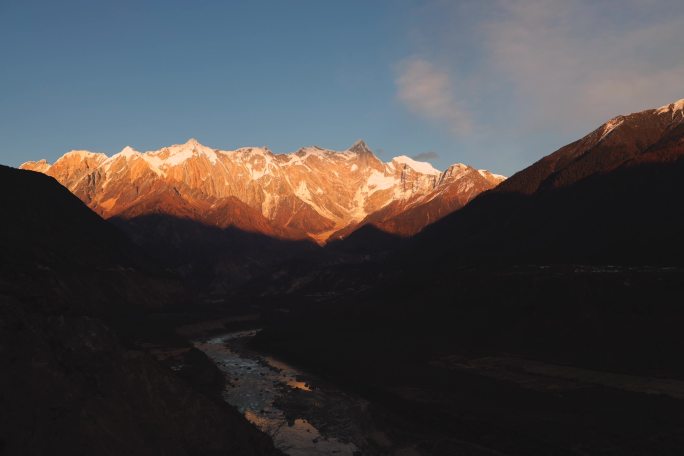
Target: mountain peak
<point>672,107</point>
<point>360,147</point>
<point>128,150</point>
<point>420,166</point>
<point>310,194</point>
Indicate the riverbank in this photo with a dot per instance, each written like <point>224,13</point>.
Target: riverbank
<point>532,362</point>
<point>303,414</point>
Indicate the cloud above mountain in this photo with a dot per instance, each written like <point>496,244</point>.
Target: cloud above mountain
<point>578,58</point>
<point>426,156</point>
<point>429,92</point>
<point>546,65</point>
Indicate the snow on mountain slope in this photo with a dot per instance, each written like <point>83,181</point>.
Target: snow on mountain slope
<point>313,193</point>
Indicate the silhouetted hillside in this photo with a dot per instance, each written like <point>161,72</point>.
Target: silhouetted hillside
<point>44,221</point>
<point>542,318</point>
<point>608,198</point>
<point>210,259</point>
<point>368,239</point>
<point>68,384</point>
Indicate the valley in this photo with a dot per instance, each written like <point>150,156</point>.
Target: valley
<point>200,256</point>
<point>539,314</point>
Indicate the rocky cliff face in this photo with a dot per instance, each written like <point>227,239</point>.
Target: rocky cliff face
<point>313,193</point>
<point>453,189</point>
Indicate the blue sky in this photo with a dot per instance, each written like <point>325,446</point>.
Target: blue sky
<point>494,84</point>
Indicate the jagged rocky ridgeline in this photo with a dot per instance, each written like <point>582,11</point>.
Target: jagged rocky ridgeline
<point>314,193</point>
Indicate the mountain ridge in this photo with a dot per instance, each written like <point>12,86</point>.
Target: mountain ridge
<point>607,197</point>
<point>313,193</point>
<point>612,144</point>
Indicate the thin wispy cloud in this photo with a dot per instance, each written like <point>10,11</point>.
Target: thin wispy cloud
<point>425,156</point>
<point>573,60</point>
<point>428,92</point>
<point>524,68</point>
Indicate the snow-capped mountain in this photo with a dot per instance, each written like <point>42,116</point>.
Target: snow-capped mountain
<point>313,193</point>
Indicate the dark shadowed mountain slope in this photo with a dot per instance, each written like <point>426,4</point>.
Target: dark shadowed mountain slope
<point>613,196</point>
<point>44,222</point>
<point>542,318</point>
<point>50,242</point>
<point>505,272</point>
<point>68,384</point>
<point>643,137</point>
<point>213,261</point>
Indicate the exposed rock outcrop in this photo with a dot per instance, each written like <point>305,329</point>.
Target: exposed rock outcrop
<point>313,193</point>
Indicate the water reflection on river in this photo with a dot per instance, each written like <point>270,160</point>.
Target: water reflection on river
<point>253,386</point>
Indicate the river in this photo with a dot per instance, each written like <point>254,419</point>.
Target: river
<point>303,415</point>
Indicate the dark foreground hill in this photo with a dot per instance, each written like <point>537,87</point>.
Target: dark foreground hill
<point>543,318</point>
<point>69,384</point>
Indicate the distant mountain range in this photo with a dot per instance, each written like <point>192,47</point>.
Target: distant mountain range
<point>314,193</point>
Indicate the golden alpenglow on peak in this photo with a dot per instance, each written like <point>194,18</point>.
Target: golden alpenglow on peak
<point>315,193</point>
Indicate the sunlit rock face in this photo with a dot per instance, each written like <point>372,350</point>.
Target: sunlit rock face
<point>650,136</point>
<point>313,193</point>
